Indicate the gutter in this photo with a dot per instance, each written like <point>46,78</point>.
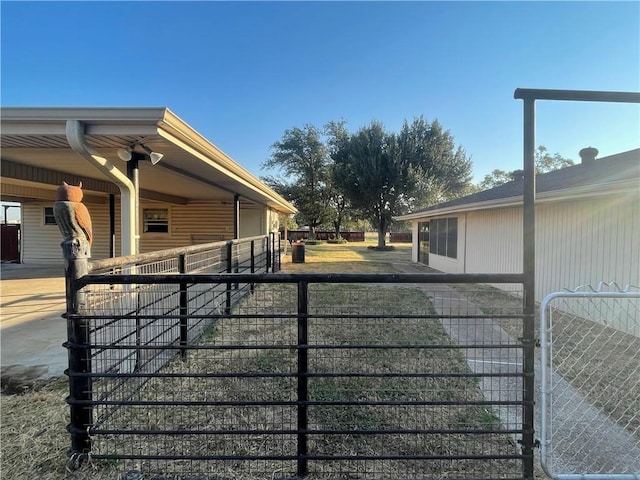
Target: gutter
<point>78,142</point>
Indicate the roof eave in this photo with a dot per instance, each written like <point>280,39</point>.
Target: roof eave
<point>629,185</point>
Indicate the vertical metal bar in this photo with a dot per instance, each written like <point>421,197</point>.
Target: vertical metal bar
<point>268,256</point>
<point>184,326</point>
<point>303,366</point>
<point>253,262</point>
<point>229,270</point>
<point>273,251</point>
<point>236,216</point>
<point>529,263</point>
<point>279,254</point>
<point>79,345</point>
<point>112,225</point>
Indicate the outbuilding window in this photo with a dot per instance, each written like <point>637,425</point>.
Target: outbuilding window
<point>155,220</point>
<point>49,217</point>
<point>443,236</point>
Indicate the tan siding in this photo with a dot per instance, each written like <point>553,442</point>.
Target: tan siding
<point>41,243</point>
<point>196,222</point>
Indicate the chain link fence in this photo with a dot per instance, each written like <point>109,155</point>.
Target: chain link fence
<point>590,348</point>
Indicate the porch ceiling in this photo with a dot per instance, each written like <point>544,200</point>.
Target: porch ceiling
<point>192,168</point>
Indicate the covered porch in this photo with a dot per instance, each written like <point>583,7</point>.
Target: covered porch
<point>150,181</point>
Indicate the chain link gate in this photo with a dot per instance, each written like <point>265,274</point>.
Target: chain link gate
<point>590,348</point>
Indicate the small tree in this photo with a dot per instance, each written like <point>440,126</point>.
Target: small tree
<point>544,163</point>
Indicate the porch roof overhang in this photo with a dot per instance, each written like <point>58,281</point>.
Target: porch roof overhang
<point>35,149</point>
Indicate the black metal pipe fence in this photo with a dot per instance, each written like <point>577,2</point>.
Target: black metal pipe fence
<point>301,376</point>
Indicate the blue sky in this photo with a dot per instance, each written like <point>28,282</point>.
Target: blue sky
<point>241,73</point>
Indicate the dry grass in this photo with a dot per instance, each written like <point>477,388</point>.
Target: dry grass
<point>34,439</point>
<point>597,360</point>
<point>334,301</point>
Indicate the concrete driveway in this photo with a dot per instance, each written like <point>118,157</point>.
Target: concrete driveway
<point>32,330</point>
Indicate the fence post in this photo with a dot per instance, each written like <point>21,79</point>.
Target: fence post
<point>268,255</point>
<point>273,252</point>
<point>253,262</point>
<point>79,351</point>
<point>184,326</point>
<point>229,270</point>
<point>303,381</point>
<point>279,254</point>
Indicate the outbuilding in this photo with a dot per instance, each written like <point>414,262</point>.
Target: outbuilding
<point>587,227</point>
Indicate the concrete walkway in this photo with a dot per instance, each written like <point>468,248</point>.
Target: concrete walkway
<point>32,330</point>
<point>586,439</point>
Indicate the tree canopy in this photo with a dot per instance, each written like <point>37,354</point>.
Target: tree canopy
<point>303,161</point>
<point>385,174</point>
<point>545,163</point>
<point>333,174</point>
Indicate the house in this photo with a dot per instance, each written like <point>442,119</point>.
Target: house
<point>175,188</point>
<point>587,227</point>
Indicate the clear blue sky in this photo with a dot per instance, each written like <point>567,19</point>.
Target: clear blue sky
<point>241,73</point>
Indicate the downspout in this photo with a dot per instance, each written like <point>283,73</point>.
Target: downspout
<point>79,144</point>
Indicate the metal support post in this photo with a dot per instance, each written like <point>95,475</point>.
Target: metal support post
<point>184,327</point>
<point>75,252</point>
<point>529,262</point>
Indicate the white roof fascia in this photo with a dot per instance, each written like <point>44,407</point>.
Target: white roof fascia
<point>178,132</point>
<point>134,121</point>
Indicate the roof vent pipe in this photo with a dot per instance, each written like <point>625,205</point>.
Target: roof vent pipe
<point>588,155</point>
<point>79,144</point>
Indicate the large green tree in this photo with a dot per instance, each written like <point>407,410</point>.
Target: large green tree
<point>302,161</point>
<point>440,170</point>
<point>384,174</point>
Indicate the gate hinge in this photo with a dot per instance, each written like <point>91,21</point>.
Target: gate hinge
<point>525,341</point>
<point>536,443</point>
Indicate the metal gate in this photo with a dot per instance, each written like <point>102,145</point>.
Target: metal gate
<point>590,426</point>
<point>316,376</point>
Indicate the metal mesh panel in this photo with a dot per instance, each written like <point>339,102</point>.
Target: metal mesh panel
<point>591,384</point>
<point>330,380</point>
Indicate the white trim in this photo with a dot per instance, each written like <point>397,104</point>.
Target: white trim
<point>544,197</point>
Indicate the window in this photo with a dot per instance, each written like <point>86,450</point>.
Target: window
<point>444,237</point>
<point>423,245</point>
<point>155,220</point>
<point>49,217</point>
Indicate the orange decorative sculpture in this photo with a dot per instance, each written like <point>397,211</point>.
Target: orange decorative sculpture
<point>73,218</point>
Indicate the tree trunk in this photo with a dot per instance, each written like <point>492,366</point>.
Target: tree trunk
<point>381,237</point>
<point>312,232</point>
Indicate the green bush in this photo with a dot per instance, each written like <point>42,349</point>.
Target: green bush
<point>337,240</point>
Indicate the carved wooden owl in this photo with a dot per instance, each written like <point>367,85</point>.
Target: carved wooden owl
<point>71,215</point>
